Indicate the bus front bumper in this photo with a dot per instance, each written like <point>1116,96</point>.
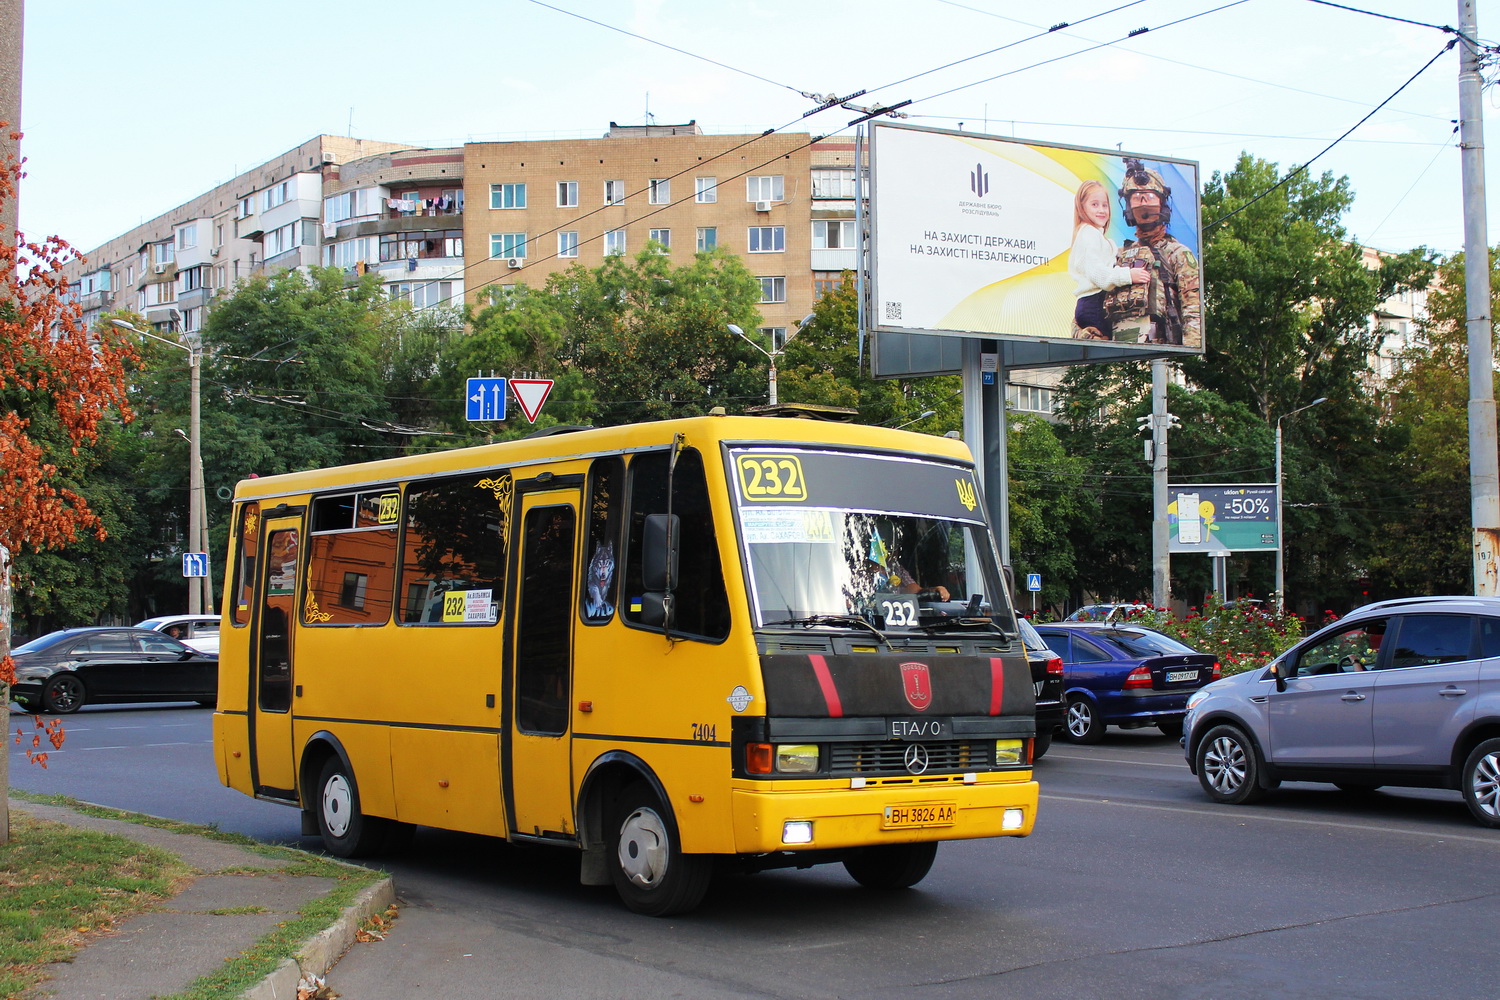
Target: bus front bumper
<point>790,816</point>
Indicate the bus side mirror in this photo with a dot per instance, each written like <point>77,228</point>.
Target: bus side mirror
<point>659,561</point>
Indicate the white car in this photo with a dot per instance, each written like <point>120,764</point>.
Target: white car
<point>198,631</point>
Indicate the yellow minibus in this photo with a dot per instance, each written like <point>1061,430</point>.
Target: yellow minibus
<point>681,647</point>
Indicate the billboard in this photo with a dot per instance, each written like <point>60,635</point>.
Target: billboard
<point>980,236</point>
<point>1217,520</point>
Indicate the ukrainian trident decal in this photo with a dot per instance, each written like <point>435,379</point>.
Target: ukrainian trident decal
<point>966,494</point>
<point>918,685</point>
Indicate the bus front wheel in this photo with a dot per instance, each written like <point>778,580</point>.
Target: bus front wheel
<point>892,866</point>
<point>650,872</point>
<point>346,832</point>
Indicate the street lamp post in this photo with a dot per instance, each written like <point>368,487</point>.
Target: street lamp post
<point>771,356</point>
<point>200,590</point>
<point>1280,528</point>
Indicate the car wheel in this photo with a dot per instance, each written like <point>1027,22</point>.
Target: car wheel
<point>346,832</point>
<point>1228,768</point>
<point>1481,783</point>
<point>1081,722</point>
<point>1041,745</point>
<point>1171,727</point>
<point>63,694</point>
<point>892,866</point>
<point>650,872</point>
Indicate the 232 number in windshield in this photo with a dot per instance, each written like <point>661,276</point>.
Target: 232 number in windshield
<point>898,612</point>
<point>772,477</point>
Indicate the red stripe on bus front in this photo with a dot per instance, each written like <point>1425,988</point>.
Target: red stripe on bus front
<point>997,684</point>
<point>825,681</point>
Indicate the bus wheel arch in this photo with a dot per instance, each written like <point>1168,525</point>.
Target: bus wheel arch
<point>598,799</point>
<point>329,791</point>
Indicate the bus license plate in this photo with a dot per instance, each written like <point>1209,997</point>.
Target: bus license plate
<point>930,814</point>
<point>1175,676</point>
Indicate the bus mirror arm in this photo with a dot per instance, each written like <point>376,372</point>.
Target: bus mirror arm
<point>659,552</point>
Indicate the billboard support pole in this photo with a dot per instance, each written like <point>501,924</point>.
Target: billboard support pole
<point>1161,559</point>
<point>984,430</point>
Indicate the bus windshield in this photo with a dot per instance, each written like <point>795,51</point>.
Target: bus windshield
<point>890,542</point>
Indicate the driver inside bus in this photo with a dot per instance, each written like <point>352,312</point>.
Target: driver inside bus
<point>888,575</point>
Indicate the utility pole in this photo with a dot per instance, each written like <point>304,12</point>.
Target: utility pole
<point>1484,461</point>
<point>1161,558</point>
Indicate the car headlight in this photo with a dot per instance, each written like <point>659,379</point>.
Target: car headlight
<point>1196,698</point>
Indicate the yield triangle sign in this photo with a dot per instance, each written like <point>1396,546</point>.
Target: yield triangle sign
<point>531,393</point>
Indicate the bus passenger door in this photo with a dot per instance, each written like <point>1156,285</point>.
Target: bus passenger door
<point>538,758</point>
<point>271,647</point>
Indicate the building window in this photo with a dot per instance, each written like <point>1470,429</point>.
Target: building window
<point>1029,398</point>
<point>660,190</point>
<point>187,237</point>
<point>766,239</point>
<point>507,196</point>
<point>188,280</point>
<point>826,282</point>
<point>708,238</point>
<point>614,242</point>
<point>773,289</point>
<point>614,192</point>
<point>833,183</point>
<point>276,194</point>
<point>192,320</point>
<point>567,194</point>
<point>664,237</point>
<point>706,189</point>
<point>245,209</point>
<point>775,336</point>
<point>161,253</point>
<point>833,234</point>
<point>768,187</point>
<point>567,244</point>
<point>508,245</point>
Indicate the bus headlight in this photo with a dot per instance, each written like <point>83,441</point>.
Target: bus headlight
<point>797,758</point>
<point>1010,752</point>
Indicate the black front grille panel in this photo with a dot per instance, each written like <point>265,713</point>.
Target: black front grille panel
<point>889,757</point>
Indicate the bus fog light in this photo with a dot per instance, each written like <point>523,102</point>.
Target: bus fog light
<point>1010,751</point>
<point>797,831</point>
<point>1013,819</point>
<point>797,758</point>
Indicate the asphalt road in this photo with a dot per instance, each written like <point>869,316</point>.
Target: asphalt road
<point>1133,885</point>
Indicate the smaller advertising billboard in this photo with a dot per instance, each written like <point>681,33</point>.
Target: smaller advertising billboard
<point>974,235</point>
<point>1217,520</point>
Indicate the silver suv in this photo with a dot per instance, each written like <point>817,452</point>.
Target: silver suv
<point>1401,692</point>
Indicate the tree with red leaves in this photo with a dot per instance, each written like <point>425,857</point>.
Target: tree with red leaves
<point>57,382</point>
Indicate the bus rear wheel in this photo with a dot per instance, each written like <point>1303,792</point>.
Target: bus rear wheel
<point>650,872</point>
<point>893,866</point>
<point>346,832</point>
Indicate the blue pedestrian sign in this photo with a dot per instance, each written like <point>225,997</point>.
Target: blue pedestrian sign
<point>195,564</point>
<point>1033,581</point>
<point>484,399</point>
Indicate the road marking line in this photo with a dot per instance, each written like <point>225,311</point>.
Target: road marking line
<point>1250,814</point>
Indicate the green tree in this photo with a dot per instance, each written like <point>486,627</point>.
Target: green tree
<point>1422,545</point>
<point>1046,506</point>
<point>633,339</point>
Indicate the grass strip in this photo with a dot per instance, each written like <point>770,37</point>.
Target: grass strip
<point>60,884</point>
<point>256,962</point>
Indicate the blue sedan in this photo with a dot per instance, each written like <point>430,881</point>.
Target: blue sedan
<point>1124,675</point>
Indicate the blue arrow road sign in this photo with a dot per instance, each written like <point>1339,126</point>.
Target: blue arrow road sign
<point>484,399</point>
<point>1033,581</point>
<point>195,564</point>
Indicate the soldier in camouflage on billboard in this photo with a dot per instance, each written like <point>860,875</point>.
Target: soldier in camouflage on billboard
<point>1168,308</point>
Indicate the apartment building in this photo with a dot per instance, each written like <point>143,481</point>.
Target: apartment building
<point>265,219</point>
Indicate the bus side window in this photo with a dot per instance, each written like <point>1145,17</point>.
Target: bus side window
<point>244,563</point>
<point>602,546</point>
<point>453,549</point>
<point>701,604</point>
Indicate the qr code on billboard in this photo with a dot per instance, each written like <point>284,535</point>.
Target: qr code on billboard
<point>893,310</point>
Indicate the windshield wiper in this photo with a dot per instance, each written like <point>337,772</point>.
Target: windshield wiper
<point>834,620</point>
<point>962,624</point>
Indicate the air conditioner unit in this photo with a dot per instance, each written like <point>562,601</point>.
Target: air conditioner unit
<point>328,156</point>
<point>213,251</point>
<point>762,206</point>
<point>159,268</point>
<point>513,262</point>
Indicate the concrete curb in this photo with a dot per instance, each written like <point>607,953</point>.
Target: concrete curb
<point>322,951</point>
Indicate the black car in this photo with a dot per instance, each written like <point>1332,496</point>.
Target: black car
<point>63,671</point>
<point>1047,677</point>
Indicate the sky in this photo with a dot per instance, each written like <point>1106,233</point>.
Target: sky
<point>129,110</point>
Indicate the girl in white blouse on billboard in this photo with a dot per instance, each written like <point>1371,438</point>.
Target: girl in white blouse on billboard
<point>1091,262</point>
